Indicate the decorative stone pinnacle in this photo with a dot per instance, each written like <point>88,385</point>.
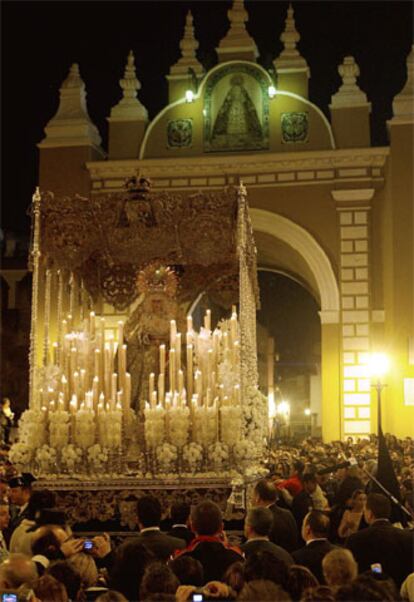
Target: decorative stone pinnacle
<point>349,94</point>
<point>237,38</point>
<point>403,104</point>
<point>130,84</point>
<point>72,122</point>
<point>188,46</point>
<point>290,57</point>
<point>129,107</point>
<point>290,36</point>
<point>73,79</point>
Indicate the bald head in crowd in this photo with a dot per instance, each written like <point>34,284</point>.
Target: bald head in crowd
<point>17,570</point>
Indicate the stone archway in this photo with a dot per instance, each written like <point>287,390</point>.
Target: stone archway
<point>320,277</point>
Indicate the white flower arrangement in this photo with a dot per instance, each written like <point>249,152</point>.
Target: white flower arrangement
<point>218,453</point>
<point>46,457</point>
<point>97,456</point>
<point>21,454</point>
<point>166,455</point>
<point>244,450</point>
<point>32,428</point>
<point>231,424</point>
<point>192,454</point>
<point>154,426</point>
<point>179,425</point>
<point>70,456</point>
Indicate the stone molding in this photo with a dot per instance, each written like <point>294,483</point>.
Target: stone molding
<point>353,194</point>
<point>246,164</point>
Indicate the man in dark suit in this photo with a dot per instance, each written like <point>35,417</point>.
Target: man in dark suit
<point>284,532</point>
<point>20,491</point>
<point>150,535</point>
<point>315,531</point>
<point>382,543</point>
<point>257,527</point>
<point>209,546</point>
<point>180,514</point>
<point>303,503</point>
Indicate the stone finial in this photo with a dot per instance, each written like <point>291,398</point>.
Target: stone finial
<point>290,56</point>
<point>188,46</point>
<point>72,125</point>
<point>129,107</point>
<point>349,94</point>
<point>403,104</point>
<point>237,40</point>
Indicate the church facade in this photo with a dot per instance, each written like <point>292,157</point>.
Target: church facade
<point>327,209</point>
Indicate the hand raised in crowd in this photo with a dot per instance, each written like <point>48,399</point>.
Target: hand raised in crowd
<point>101,545</point>
<point>217,589</point>
<point>184,592</point>
<point>71,546</point>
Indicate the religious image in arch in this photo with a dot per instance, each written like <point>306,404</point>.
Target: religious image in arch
<point>237,124</point>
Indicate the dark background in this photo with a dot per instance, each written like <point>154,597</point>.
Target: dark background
<point>40,40</point>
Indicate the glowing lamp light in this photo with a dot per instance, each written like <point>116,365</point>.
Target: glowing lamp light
<point>189,96</point>
<point>283,408</point>
<point>307,412</point>
<point>378,365</point>
<point>271,91</point>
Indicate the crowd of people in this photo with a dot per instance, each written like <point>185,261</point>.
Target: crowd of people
<point>314,529</point>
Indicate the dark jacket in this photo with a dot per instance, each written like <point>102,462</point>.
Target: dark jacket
<point>182,533</point>
<point>284,531</point>
<point>388,545</point>
<point>301,505</point>
<point>160,544</point>
<point>312,555</point>
<point>259,545</point>
<point>215,556</point>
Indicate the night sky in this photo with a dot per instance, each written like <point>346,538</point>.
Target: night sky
<point>40,40</point>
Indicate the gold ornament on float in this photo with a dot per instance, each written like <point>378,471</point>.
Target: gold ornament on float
<point>156,278</point>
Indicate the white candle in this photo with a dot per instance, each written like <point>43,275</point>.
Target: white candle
<point>180,381</point>
<point>114,388</point>
<point>207,320</point>
<point>97,357</point>
<point>151,386</point>
<point>55,348</point>
<point>95,391</point>
<point>120,334</point>
<point>189,324</point>
<point>127,396</point>
<point>173,332</point>
<point>178,350</point>
<point>161,387</point>
<point>172,369</point>
<point>92,324</point>
<point>190,371</point>
<point>76,383</point>
<point>198,383</point>
<point>162,359</point>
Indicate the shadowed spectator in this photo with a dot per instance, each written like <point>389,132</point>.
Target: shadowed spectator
<point>158,579</point>
<point>299,580</point>
<point>188,570</point>
<point>265,565</point>
<point>339,567</point>
<point>209,546</point>
<point>64,572</point>
<point>363,590</point>
<point>180,514</point>
<point>315,532</point>
<point>257,527</point>
<point>284,532</point>
<point>111,596</point>
<point>17,570</point>
<point>382,543</point>
<point>234,576</point>
<point>131,559</point>
<point>264,591</point>
<point>149,520</point>
<point>321,593</point>
<point>49,589</point>
<point>21,539</point>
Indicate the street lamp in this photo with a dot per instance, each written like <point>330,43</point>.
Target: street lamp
<point>378,366</point>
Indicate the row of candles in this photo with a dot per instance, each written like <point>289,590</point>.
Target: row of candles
<point>88,377</point>
<point>196,399</point>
